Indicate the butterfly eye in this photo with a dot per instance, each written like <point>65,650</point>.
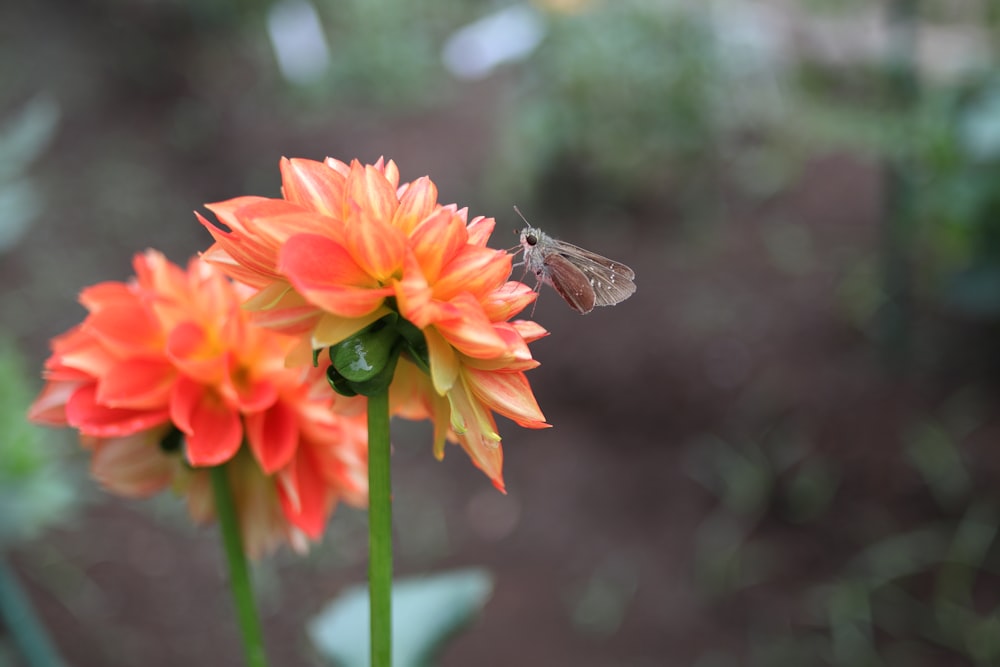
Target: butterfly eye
<point>531,239</point>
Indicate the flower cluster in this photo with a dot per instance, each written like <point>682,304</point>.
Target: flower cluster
<point>166,376</point>
<point>348,246</point>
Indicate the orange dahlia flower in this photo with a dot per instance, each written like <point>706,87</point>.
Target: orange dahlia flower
<point>166,376</point>
<point>347,246</point>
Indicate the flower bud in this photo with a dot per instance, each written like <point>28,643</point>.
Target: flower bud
<point>365,362</point>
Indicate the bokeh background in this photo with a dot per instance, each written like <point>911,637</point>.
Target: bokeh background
<point>781,451</point>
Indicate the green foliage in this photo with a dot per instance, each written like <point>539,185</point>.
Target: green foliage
<point>947,144</point>
<point>34,490</point>
<point>902,592</point>
<point>625,101</point>
<point>425,612</point>
<point>22,141</point>
<point>387,53</point>
<point>777,477</point>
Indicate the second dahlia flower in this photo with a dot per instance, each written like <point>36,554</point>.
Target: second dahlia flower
<point>165,376</point>
<point>349,251</point>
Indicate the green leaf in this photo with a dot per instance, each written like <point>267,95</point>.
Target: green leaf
<point>425,612</point>
<point>35,489</point>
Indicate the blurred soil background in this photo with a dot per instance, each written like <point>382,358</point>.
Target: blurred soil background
<point>780,451</point>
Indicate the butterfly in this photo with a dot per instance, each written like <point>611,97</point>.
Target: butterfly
<point>582,278</point>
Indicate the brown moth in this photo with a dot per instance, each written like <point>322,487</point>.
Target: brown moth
<point>582,278</point>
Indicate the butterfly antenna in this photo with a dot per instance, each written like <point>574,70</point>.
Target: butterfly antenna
<point>521,215</point>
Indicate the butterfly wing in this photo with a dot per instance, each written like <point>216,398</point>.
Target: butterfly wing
<point>572,284</point>
<point>612,282</point>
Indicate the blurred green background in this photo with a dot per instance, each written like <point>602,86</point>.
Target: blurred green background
<point>780,451</point>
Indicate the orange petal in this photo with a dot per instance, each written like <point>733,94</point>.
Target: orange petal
<point>331,329</point>
<point>416,203</point>
<point>471,333</point>
<point>273,436</point>
<point>414,296</point>
<point>513,297</point>
<point>50,406</point>
<point>132,466</point>
<point>137,384</point>
<point>84,413</point>
<point>508,394</point>
<point>125,330</point>
<point>529,330</point>
<point>325,274</point>
<point>306,499</point>
<point>314,185</point>
<point>477,433</point>
<point>474,269</point>
<point>317,262</point>
<point>443,360</point>
<point>214,431</point>
<point>375,245</point>
<point>480,230</point>
<point>104,294</point>
<point>368,188</point>
<point>193,350</point>
<point>436,241</point>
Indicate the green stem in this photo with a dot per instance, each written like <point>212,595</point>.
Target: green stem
<point>239,575</point>
<point>22,624</point>
<point>379,530</point>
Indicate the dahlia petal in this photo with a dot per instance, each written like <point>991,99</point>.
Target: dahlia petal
<point>480,230</point>
<point>530,331</point>
<point>124,330</point>
<point>371,192</point>
<point>214,431</point>
<point>314,185</point>
<point>477,433</point>
<point>376,246</point>
<point>341,168</point>
<point>315,262</point>
<point>84,413</point>
<point>269,297</point>
<point>291,314</point>
<point>508,394</point>
<point>415,204</point>
<point>443,360</point>
<point>218,255</point>
<point>251,396</point>
<point>414,296</point>
<point>139,384</point>
<point>508,300</point>
<point>194,352</point>
<point>133,466</point>
<point>50,406</point>
<point>104,294</point>
<point>313,499</point>
<point>436,241</point>
<point>273,435</point>
<point>331,329</point>
<point>391,172</point>
<point>75,353</point>
<point>474,269</point>
<point>470,331</point>
<point>348,302</point>
<point>326,275</point>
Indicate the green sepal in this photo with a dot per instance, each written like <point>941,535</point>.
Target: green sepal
<point>366,362</point>
<point>339,383</point>
<point>363,356</point>
<point>415,344</point>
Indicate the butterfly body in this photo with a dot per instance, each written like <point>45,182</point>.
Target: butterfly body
<point>582,278</point>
